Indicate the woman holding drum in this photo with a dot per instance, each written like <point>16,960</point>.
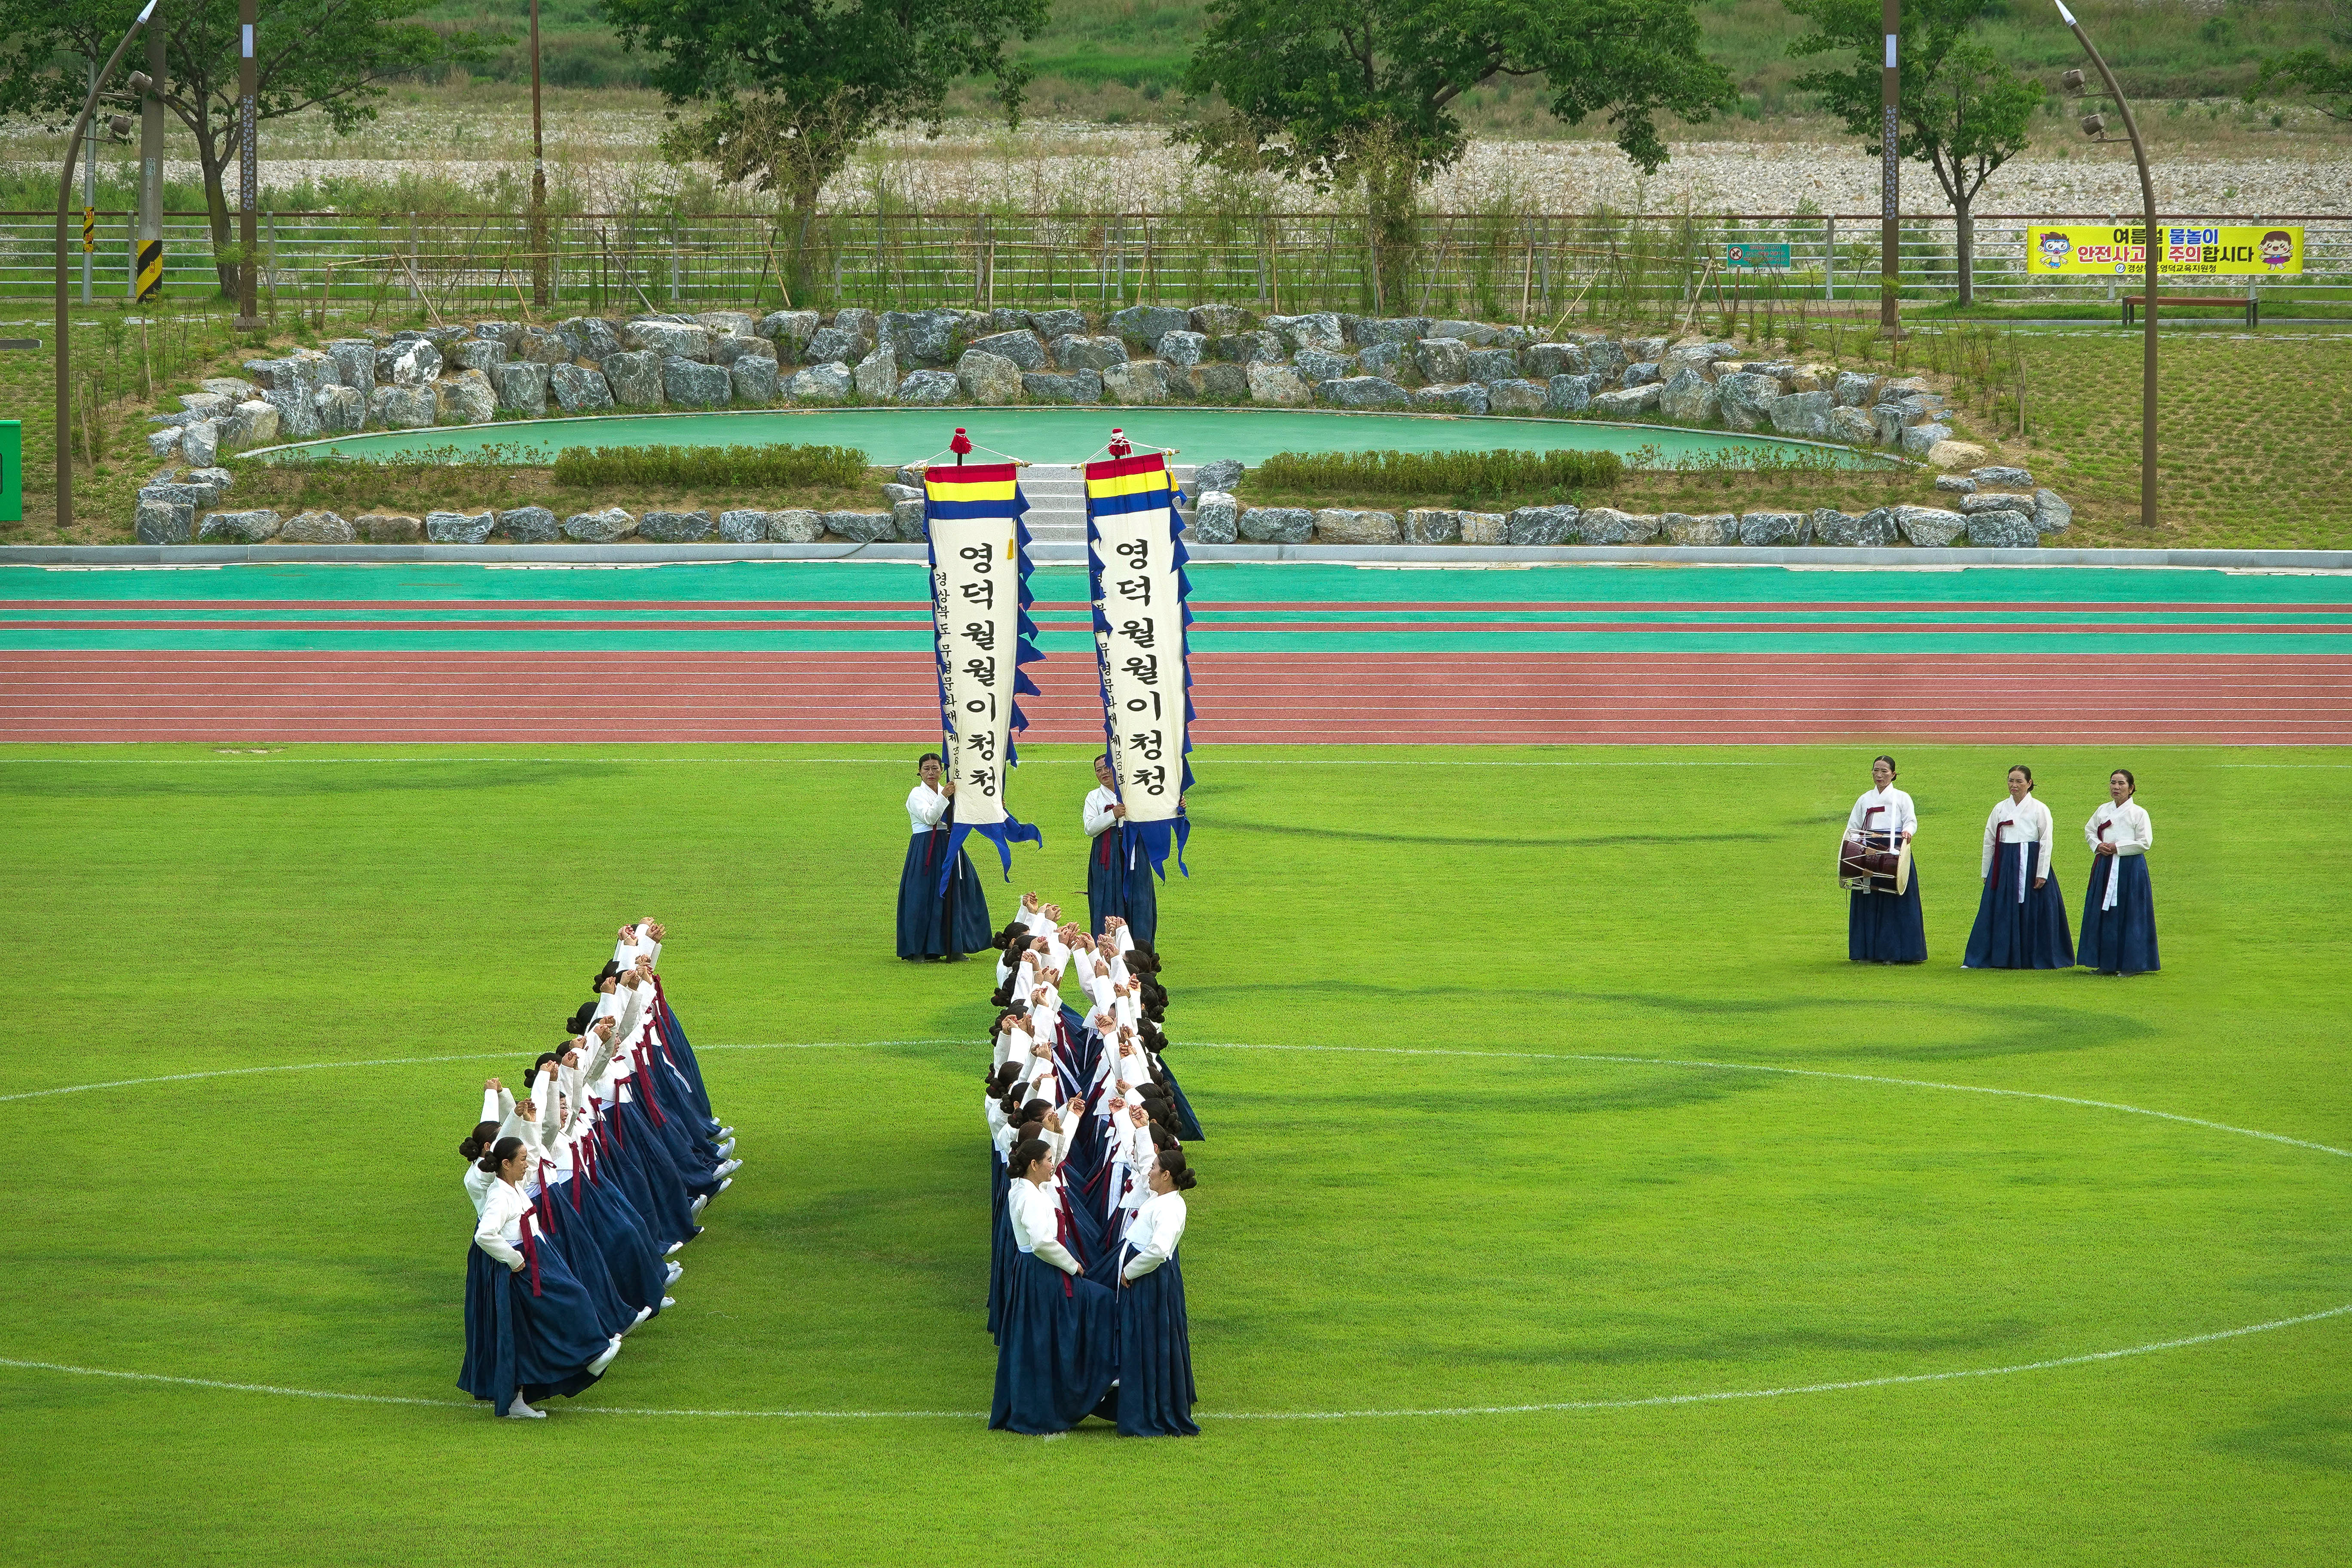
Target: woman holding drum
<point>2020,918</point>
<point>1884,922</point>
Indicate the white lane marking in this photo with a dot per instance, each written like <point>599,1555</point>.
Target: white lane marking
<point>1893,1380</point>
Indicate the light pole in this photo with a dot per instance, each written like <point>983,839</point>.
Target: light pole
<point>249,168</point>
<point>539,267</point>
<point>2094,126</point>
<point>1890,172</point>
<point>65,194</point>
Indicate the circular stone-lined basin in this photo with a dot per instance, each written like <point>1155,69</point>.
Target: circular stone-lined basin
<point>892,437</point>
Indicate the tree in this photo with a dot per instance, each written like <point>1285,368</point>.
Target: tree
<point>328,55</point>
<point>788,89</point>
<point>2323,75</point>
<point>1341,93</point>
<point>1964,112</point>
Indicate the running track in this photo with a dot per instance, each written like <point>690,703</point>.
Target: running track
<point>823,652</point>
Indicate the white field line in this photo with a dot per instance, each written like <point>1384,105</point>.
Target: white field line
<point>1717,1396</point>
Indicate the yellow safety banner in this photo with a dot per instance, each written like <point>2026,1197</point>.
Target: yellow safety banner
<point>2190,250</point>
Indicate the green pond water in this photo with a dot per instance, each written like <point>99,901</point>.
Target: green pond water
<point>891,437</point>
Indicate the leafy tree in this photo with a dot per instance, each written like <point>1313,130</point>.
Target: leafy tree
<point>788,89</point>
<point>1342,93</point>
<point>328,55</point>
<point>1964,114</point>
<point>2321,73</point>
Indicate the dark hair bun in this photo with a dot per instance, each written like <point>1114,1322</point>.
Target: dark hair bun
<point>1185,1180</point>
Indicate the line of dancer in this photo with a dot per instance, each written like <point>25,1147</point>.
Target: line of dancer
<point>585,1188</point>
<point>1087,1175</point>
<point>2021,915</point>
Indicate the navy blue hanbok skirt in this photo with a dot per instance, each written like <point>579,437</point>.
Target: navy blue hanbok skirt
<point>565,1231</point>
<point>1886,928</point>
<point>1001,1253</point>
<point>2120,940</point>
<point>1155,1357</point>
<point>632,1256</point>
<point>1116,887</point>
<point>2011,933</point>
<point>517,1342</point>
<point>1057,1351</point>
<point>932,925</point>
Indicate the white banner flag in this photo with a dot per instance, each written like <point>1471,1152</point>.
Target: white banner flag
<point>981,625</point>
<point>1136,563</point>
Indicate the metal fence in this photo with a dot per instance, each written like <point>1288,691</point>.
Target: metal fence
<point>1492,266</point>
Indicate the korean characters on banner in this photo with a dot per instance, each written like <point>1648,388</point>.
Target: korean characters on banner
<point>1136,563</point>
<point>980,619</point>
<point>2190,250</point>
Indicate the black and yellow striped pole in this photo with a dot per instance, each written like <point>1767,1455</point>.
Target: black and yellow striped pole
<point>89,231</point>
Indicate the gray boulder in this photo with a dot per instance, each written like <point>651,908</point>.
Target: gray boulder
<point>830,343</point>
<point>599,527</point>
<point>695,384</point>
<point>636,377</point>
<point>753,382</point>
<point>675,527</point>
<point>1222,475</point>
<point>1571,394</point>
<point>2003,530</point>
<point>1070,386</point>
<point>1147,324</point>
<point>864,527</point>
<point>164,522</point>
<point>790,331</point>
<point>821,384</point>
<point>988,378</point>
<point>240,527</point>
<point>1442,359</point>
<point>1871,530</point>
<point>412,363</point>
<point>2051,515</point>
<point>1955,484</point>
<point>1918,438</point>
<point>876,375</point>
<point>529,525</point>
<point>1432,525</point>
<point>1320,330</point>
<point>1773,527</point>
<point>730,351</point>
<point>1744,399</point>
<point>1548,359</point>
<point>1141,381</point>
<point>1993,500</point>
<point>667,340</point>
<point>1629,404</point>
<point>1493,364</point>
<point>1642,373</point>
<point>1215,383</point>
<point>200,443</point>
<point>1183,347</point>
<point>1072,352</point>
<point>1607,525</point>
<point>218,481</point>
<point>1689,399</point>
<point>1887,419</point>
<point>401,407</point>
<point>1219,321</point>
<point>1713,527</point>
<point>465,398</point>
<point>1277,525</point>
<point>163,443</point>
<point>1460,398</point>
<point>931,388</point>
<point>1369,331</point>
<point>1856,389</point>
<point>507,333</point>
<point>539,346</point>
<point>1605,358</point>
<point>1316,364</point>
<point>908,523</point>
<point>389,528</point>
<point>1361,392</point>
<point>338,408</point>
<point>354,362</point>
<point>523,387</point>
<point>459,527</point>
<point>1217,519</point>
<point>1853,427</point>
<point>1485,528</point>
<point>578,388</point>
<point>1701,358</point>
<point>742,527</point>
<point>1517,398</point>
<point>480,353</point>
<point>1339,525</point>
<point>795,526</point>
<point>1539,525</point>
<point>1382,359</point>
<point>1278,385</point>
<point>726,324</point>
<point>1477,334</point>
<point>1803,414</point>
<point>860,322</point>
<point>2002,478</point>
<point>318,528</point>
<point>1928,526</point>
<point>1052,324</point>
<point>1022,348</point>
<point>1250,348</point>
<point>922,340</point>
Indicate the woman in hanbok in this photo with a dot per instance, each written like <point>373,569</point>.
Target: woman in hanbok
<point>1057,1345</point>
<point>1155,1392</point>
<point>2119,909</point>
<point>1884,927</point>
<point>1118,873</point>
<point>2021,917</point>
<point>935,925</point>
<point>531,1332</point>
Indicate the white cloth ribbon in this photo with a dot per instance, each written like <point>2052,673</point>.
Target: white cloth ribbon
<point>2114,868</point>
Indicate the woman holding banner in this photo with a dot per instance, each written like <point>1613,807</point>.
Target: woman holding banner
<point>933,925</point>
<point>1119,874</point>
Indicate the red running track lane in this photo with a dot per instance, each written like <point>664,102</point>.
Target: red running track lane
<point>1330,697</point>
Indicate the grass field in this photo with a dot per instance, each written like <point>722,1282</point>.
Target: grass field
<point>1454,1202</point>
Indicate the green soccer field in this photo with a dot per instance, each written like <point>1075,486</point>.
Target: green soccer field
<point>1567,1196</point>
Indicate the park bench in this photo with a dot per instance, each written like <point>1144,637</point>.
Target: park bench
<point>2247,302</point>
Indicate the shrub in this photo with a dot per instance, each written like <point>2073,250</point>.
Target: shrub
<point>708,468</point>
<point>1499,473</point>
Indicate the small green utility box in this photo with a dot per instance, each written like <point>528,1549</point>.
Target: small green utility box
<point>12,470</point>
